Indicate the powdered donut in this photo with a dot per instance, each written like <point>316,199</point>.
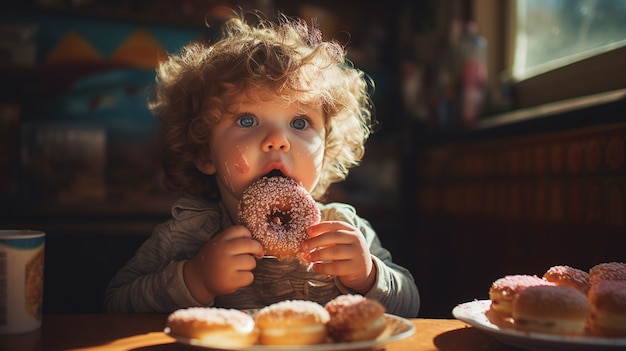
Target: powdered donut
<point>607,271</point>
<point>278,210</point>
<point>551,309</point>
<point>292,322</point>
<point>568,276</point>
<point>504,291</point>
<point>355,318</point>
<point>608,308</point>
<point>219,327</point>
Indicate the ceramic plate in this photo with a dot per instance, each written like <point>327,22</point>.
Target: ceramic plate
<point>398,328</point>
<point>475,314</point>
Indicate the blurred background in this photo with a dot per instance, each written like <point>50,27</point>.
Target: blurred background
<point>500,149</point>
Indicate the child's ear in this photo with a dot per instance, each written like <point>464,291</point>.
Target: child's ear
<point>206,166</point>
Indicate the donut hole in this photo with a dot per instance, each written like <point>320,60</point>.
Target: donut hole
<point>279,220</point>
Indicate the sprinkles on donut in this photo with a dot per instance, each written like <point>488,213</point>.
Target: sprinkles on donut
<point>278,211</point>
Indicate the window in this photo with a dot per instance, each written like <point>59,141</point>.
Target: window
<point>554,50</point>
<point>554,33</point>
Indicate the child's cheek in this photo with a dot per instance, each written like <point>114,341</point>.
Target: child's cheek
<point>240,161</point>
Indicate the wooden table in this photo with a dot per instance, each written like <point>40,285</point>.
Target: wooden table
<point>126,332</point>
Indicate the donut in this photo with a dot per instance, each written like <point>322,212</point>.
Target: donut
<point>568,276</point>
<point>355,318</point>
<point>551,309</point>
<point>278,211</point>
<point>607,271</point>
<point>504,290</point>
<point>608,308</point>
<point>292,322</point>
<point>218,327</point>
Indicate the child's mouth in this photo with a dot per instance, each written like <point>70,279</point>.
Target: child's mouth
<point>274,173</point>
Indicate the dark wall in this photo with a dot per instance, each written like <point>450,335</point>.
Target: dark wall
<point>518,199</point>
<point>79,267</point>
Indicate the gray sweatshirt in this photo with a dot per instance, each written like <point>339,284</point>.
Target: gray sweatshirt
<point>152,281</point>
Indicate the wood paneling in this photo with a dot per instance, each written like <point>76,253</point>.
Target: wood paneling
<point>517,205</point>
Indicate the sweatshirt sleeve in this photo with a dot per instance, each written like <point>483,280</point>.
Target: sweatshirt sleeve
<point>395,287</point>
<point>152,281</point>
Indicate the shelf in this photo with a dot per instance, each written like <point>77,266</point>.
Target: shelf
<point>585,111</point>
<point>550,109</point>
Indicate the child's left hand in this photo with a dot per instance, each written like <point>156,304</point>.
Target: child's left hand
<point>337,248</point>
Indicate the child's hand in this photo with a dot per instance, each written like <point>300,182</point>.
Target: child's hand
<point>223,265</point>
<point>337,248</point>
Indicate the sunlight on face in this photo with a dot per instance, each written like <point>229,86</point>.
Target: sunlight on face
<point>262,133</point>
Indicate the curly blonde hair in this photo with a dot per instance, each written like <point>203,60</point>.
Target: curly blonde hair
<point>290,58</point>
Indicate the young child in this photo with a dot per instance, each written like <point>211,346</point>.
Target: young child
<point>264,97</point>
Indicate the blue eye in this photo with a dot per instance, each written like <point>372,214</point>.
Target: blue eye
<point>246,120</point>
<point>300,123</point>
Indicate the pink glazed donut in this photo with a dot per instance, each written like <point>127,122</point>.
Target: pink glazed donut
<point>278,211</point>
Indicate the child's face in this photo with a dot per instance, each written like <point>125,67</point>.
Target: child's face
<point>261,133</point>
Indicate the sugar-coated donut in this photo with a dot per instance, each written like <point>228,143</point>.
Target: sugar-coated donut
<point>608,308</point>
<point>292,322</point>
<point>607,271</point>
<point>218,327</point>
<point>355,318</point>
<point>504,290</point>
<point>568,276</point>
<point>278,211</point>
<point>551,309</point>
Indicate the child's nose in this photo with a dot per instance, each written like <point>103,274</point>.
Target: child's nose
<point>275,140</point>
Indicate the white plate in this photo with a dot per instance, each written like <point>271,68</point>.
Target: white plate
<point>473,313</point>
<point>398,328</point>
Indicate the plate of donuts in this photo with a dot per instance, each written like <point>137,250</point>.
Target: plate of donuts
<point>347,322</point>
<point>398,328</point>
<point>478,314</point>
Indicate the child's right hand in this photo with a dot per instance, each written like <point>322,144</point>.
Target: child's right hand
<point>223,265</point>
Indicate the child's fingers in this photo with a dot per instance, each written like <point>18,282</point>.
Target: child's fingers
<point>240,241</point>
<point>334,268</point>
<point>331,253</point>
<point>236,231</point>
<point>330,234</point>
<point>244,246</point>
<point>324,227</point>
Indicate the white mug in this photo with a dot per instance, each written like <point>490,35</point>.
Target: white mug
<point>21,280</point>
